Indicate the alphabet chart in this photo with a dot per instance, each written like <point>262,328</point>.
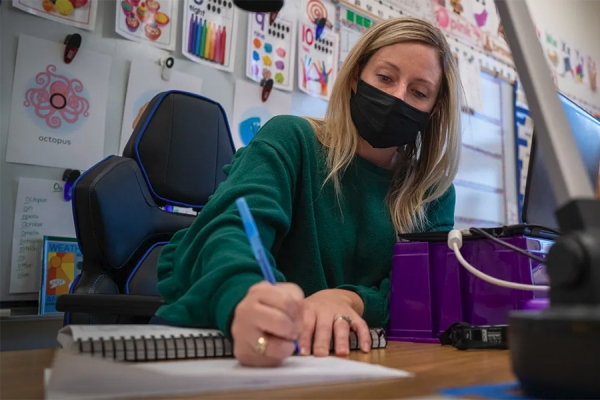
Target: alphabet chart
<point>317,61</point>
<point>271,49</point>
<point>209,28</point>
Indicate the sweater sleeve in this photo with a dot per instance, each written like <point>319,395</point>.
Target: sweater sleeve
<point>207,269</point>
<point>440,216</point>
<point>440,212</point>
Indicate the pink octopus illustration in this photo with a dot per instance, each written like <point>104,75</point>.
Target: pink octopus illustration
<point>57,99</point>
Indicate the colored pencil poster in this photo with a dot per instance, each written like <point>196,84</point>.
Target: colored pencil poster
<point>209,30</point>
<point>250,113</point>
<point>58,110</point>
<point>144,83</point>
<point>77,13</point>
<point>149,21</point>
<point>317,61</point>
<point>350,25</point>
<point>271,48</point>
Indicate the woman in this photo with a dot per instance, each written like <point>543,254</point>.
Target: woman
<point>329,198</point>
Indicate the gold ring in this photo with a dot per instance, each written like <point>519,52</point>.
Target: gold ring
<point>261,345</point>
<point>344,318</point>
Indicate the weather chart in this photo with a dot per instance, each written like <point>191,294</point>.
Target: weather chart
<point>209,27</point>
<point>318,48</point>
<point>271,48</point>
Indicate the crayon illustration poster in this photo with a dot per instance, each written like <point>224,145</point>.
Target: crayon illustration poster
<point>145,82</point>
<point>58,110</point>
<point>250,113</point>
<point>271,48</point>
<point>317,61</point>
<point>209,32</point>
<point>77,13</point>
<point>148,21</point>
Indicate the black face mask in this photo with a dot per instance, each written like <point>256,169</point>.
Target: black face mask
<point>384,120</point>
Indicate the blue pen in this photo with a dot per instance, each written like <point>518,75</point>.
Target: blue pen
<point>257,246</point>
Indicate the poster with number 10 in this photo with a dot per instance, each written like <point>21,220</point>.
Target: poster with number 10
<point>317,61</point>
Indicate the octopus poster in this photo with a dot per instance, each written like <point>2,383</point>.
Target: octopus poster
<point>78,13</point>
<point>149,21</point>
<point>58,110</point>
<point>145,82</point>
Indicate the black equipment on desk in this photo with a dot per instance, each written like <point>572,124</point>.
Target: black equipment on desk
<point>175,157</point>
<point>555,352</point>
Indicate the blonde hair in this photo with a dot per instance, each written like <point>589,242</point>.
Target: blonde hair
<point>426,168</point>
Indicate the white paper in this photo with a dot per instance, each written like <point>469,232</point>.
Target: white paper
<point>351,25</point>
<point>145,82</point>
<point>58,110</point>
<point>271,48</point>
<point>416,8</point>
<point>317,61</point>
<point>223,16</point>
<point>78,13</point>
<point>148,21</point>
<point>471,81</point>
<point>81,377</point>
<point>250,113</point>
<point>40,211</point>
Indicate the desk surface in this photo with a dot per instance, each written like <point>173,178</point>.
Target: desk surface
<point>435,367</point>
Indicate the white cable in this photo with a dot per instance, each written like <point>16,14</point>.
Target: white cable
<point>455,243</point>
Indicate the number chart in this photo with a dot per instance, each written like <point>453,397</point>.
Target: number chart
<point>209,32</point>
<point>271,49</point>
<point>317,61</point>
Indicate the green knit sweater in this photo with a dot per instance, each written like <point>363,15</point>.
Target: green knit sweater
<point>311,239</point>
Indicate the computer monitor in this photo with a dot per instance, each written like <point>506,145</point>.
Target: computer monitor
<point>539,204</point>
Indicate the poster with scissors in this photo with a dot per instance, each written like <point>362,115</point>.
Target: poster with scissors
<point>317,61</point>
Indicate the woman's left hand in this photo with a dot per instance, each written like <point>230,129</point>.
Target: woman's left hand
<point>326,315</point>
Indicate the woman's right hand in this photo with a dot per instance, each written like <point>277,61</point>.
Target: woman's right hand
<point>272,312</point>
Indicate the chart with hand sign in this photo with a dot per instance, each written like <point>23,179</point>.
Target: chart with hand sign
<point>317,61</point>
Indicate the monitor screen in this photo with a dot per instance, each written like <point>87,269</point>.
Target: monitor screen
<point>539,205</point>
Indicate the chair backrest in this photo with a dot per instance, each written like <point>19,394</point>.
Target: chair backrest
<point>175,157</point>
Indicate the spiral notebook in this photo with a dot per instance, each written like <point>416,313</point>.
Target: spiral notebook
<point>159,342</point>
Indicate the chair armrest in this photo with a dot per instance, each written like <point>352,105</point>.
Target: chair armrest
<point>114,304</point>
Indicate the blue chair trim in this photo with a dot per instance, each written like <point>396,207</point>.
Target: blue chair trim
<point>140,263</point>
<point>137,142</point>
<point>71,291</point>
<point>73,197</point>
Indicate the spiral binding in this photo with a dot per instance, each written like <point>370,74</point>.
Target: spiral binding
<point>119,348</point>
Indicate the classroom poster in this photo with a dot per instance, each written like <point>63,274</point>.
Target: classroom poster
<point>40,211</point>
<point>77,13</point>
<point>145,82</point>
<point>417,8</point>
<point>456,18</point>
<point>61,263</point>
<point>148,21</point>
<point>271,48</point>
<point>250,113</point>
<point>58,110</point>
<point>350,25</point>
<point>209,30</point>
<point>470,77</point>
<point>317,62</point>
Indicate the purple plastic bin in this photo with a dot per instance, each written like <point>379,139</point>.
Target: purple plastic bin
<point>430,290</point>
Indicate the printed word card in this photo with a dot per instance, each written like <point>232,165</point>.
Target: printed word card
<point>40,211</point>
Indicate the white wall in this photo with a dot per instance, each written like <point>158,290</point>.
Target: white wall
<point>577,22</point>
